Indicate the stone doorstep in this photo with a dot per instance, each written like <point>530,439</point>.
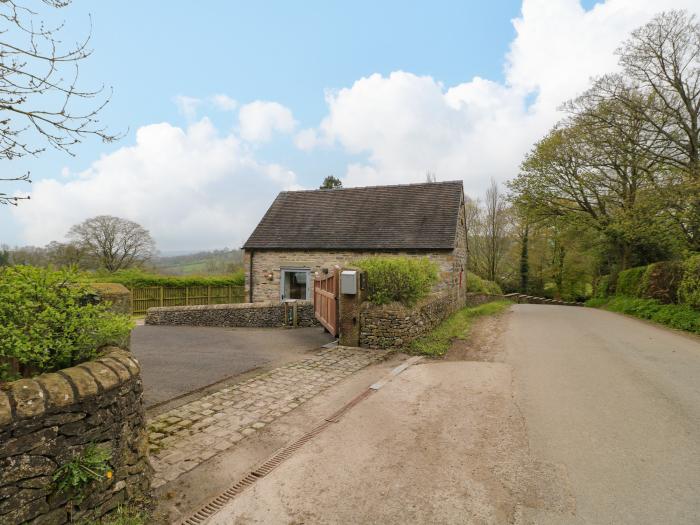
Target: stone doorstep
<point>182,450</point>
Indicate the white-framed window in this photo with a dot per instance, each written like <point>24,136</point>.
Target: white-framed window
<point>295,283</point>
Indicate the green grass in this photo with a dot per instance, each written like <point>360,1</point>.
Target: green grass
<point>682,317</point>
<point>456,326</point>
<point>124,515</point>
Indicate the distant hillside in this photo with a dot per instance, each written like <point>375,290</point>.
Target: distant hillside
<point>202,263</point>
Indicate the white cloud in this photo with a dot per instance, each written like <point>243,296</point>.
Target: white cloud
<point>224,102</point>
<point>187,106</point>
<point>258,120</point>
<point>306,139</point>
<point>192,188</point>
<point>408,124</point>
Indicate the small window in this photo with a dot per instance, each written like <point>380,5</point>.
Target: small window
<point>295,284</point>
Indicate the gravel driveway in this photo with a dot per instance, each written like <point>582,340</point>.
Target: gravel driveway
<point>177,360</point>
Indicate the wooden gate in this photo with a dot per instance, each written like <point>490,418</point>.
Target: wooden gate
<point>325,301</point>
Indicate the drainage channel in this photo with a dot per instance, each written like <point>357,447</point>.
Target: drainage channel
<point>216,504</point>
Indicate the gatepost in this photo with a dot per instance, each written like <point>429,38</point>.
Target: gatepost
<point>351,294</point>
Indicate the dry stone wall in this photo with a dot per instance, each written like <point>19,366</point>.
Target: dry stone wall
<point>48,420</point>
<point>261,315</point>
<point>395,325</point>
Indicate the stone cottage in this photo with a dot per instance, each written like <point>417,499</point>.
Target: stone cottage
<point>304,232</point>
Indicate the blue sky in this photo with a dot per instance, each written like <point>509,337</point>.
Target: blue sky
<point>371,93</point>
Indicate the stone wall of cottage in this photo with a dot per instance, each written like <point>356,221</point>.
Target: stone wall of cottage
<point>261,315</point>
<point>267,266</point>
<point>47,420</point>
<point>395,325</point>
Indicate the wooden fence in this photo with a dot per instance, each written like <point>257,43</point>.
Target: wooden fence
<point>144,298</point>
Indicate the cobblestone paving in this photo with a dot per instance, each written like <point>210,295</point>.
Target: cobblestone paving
<point>184,437</point>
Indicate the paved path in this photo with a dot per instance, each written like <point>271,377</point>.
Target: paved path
<point>615,403</point>
<point>184,437</point>
<point>176,360</point>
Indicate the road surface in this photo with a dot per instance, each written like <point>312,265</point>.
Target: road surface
<point>551,415</point>
<point>615,403</point>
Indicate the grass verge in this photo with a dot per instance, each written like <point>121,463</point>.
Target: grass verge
<point>456,326</point>
<point>678,316</point>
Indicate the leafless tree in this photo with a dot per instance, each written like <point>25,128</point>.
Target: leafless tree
<point>112,242</point>
<point>40,100</point>
<point>489,233</point>
<point>495,230</point>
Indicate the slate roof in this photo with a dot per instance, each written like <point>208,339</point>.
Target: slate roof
<point>403,217</point>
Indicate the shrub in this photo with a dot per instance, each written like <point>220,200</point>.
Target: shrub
<point>689,288</point>
<point>629,281</point>
<point>134,278</point>
<point>47,322</point>
<point>661,281</point>
<point>682,317</point>
<point>476,284</point>
<point>401,279</point>
<point>602,285</point>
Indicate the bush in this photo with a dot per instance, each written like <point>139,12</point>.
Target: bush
<point>476,284</point>
<point>661,281</point>
<point>689,288</point>
<point>682,317</point>
<point>602,286</point>
<point>401,279</point>
<point>47,322</point>
<point>629,281</point>
<point>138,279</point>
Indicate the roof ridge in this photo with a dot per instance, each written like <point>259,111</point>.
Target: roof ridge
<point>457,181</point>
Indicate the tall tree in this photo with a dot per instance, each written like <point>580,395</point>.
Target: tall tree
<point>661,60</point>
<point>113,243</point>
<point>40,100</point>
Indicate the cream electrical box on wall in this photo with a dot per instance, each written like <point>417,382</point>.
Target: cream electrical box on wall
<point>348,282</point>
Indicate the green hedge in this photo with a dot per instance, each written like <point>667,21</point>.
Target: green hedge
<point>476,284</point>
<point>47,321</point>
<point>140,279</point>
<point>629,281</point>
<point>661,281</point>
<point>401,279</point>
<point>682,317</point>
<point>689,288</point>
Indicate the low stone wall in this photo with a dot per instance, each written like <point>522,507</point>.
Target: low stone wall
<point>395,326</point>
<point>260,315</point>
<point>529,299</point>
<point>48,420</point>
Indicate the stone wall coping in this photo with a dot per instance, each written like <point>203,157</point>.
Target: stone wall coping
<point>234,306</point>
<point>51,391</point>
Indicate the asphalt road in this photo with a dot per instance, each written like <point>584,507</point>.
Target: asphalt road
<point>176,360</point>
<point>614,404</point>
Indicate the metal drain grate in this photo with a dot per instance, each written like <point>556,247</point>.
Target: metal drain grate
<point>217,503</point>
<point>263,470</point>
